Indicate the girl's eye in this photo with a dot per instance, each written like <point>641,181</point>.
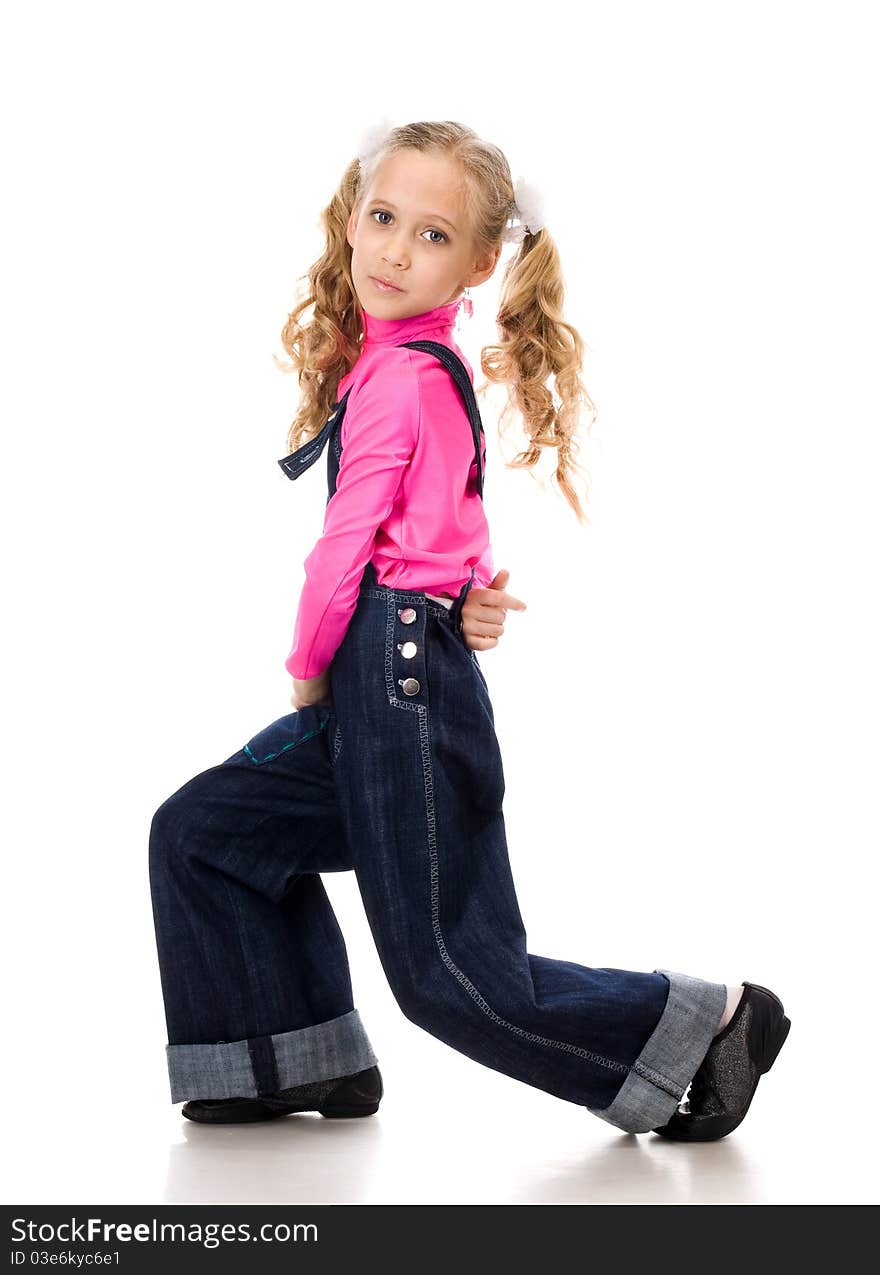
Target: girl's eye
<point>382,212</point>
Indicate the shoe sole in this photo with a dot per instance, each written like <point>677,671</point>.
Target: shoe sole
<point>229,1115</point>
<point>232,1115</point>
<point>347,1112</point>
<point>345,1107</point>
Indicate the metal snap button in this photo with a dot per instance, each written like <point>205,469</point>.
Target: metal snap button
<point>411,685</point>
<point>407,649</point>
<point>408,615</point>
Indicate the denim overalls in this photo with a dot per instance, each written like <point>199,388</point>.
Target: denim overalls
<point>399,778</point>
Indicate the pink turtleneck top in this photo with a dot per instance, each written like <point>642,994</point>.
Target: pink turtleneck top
<point>406,495</point>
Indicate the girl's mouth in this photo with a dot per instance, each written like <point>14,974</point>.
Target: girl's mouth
<point>384,287</point>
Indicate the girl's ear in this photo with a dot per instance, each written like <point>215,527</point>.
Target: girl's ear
<point>484,269</point>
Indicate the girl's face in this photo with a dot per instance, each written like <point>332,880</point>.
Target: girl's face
<point>411,229</point>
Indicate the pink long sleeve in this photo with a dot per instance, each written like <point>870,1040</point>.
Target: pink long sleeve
<point>380,431</point>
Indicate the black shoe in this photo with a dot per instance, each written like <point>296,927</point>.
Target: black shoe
<point>355,1095</point>
<point>227,1110</point>
<point>726,1080</point>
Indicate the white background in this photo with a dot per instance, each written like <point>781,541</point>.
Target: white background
<point>688,709</point>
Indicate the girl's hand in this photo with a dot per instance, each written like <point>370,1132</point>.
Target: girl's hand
<point>311,690</point>
<point>485,610</point>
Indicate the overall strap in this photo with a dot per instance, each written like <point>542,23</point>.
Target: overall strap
<point>453,364</point>
<point>304,457</point>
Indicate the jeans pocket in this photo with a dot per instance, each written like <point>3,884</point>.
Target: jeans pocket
<point>287,732</point>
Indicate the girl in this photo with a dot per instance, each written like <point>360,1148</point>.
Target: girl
<point>389,764</point>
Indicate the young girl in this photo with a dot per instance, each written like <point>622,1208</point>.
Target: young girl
<point>390,765</point>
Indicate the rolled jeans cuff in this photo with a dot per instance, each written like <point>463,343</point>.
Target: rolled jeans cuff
<point>262,1065</point>
<point>671,1056</point>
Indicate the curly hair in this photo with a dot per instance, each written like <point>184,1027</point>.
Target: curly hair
<point>535,342</point>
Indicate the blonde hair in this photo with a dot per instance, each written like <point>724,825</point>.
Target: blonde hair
<point>534,342</point>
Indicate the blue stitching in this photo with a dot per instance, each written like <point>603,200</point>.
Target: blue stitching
<point>293,743</point>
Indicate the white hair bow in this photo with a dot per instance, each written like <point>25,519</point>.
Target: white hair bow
<point>529,212</point>
<point>372,140</point>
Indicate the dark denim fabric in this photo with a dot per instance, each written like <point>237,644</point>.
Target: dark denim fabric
<point>399,778</point>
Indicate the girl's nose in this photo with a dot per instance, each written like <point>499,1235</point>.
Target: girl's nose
<point>395,257</point>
